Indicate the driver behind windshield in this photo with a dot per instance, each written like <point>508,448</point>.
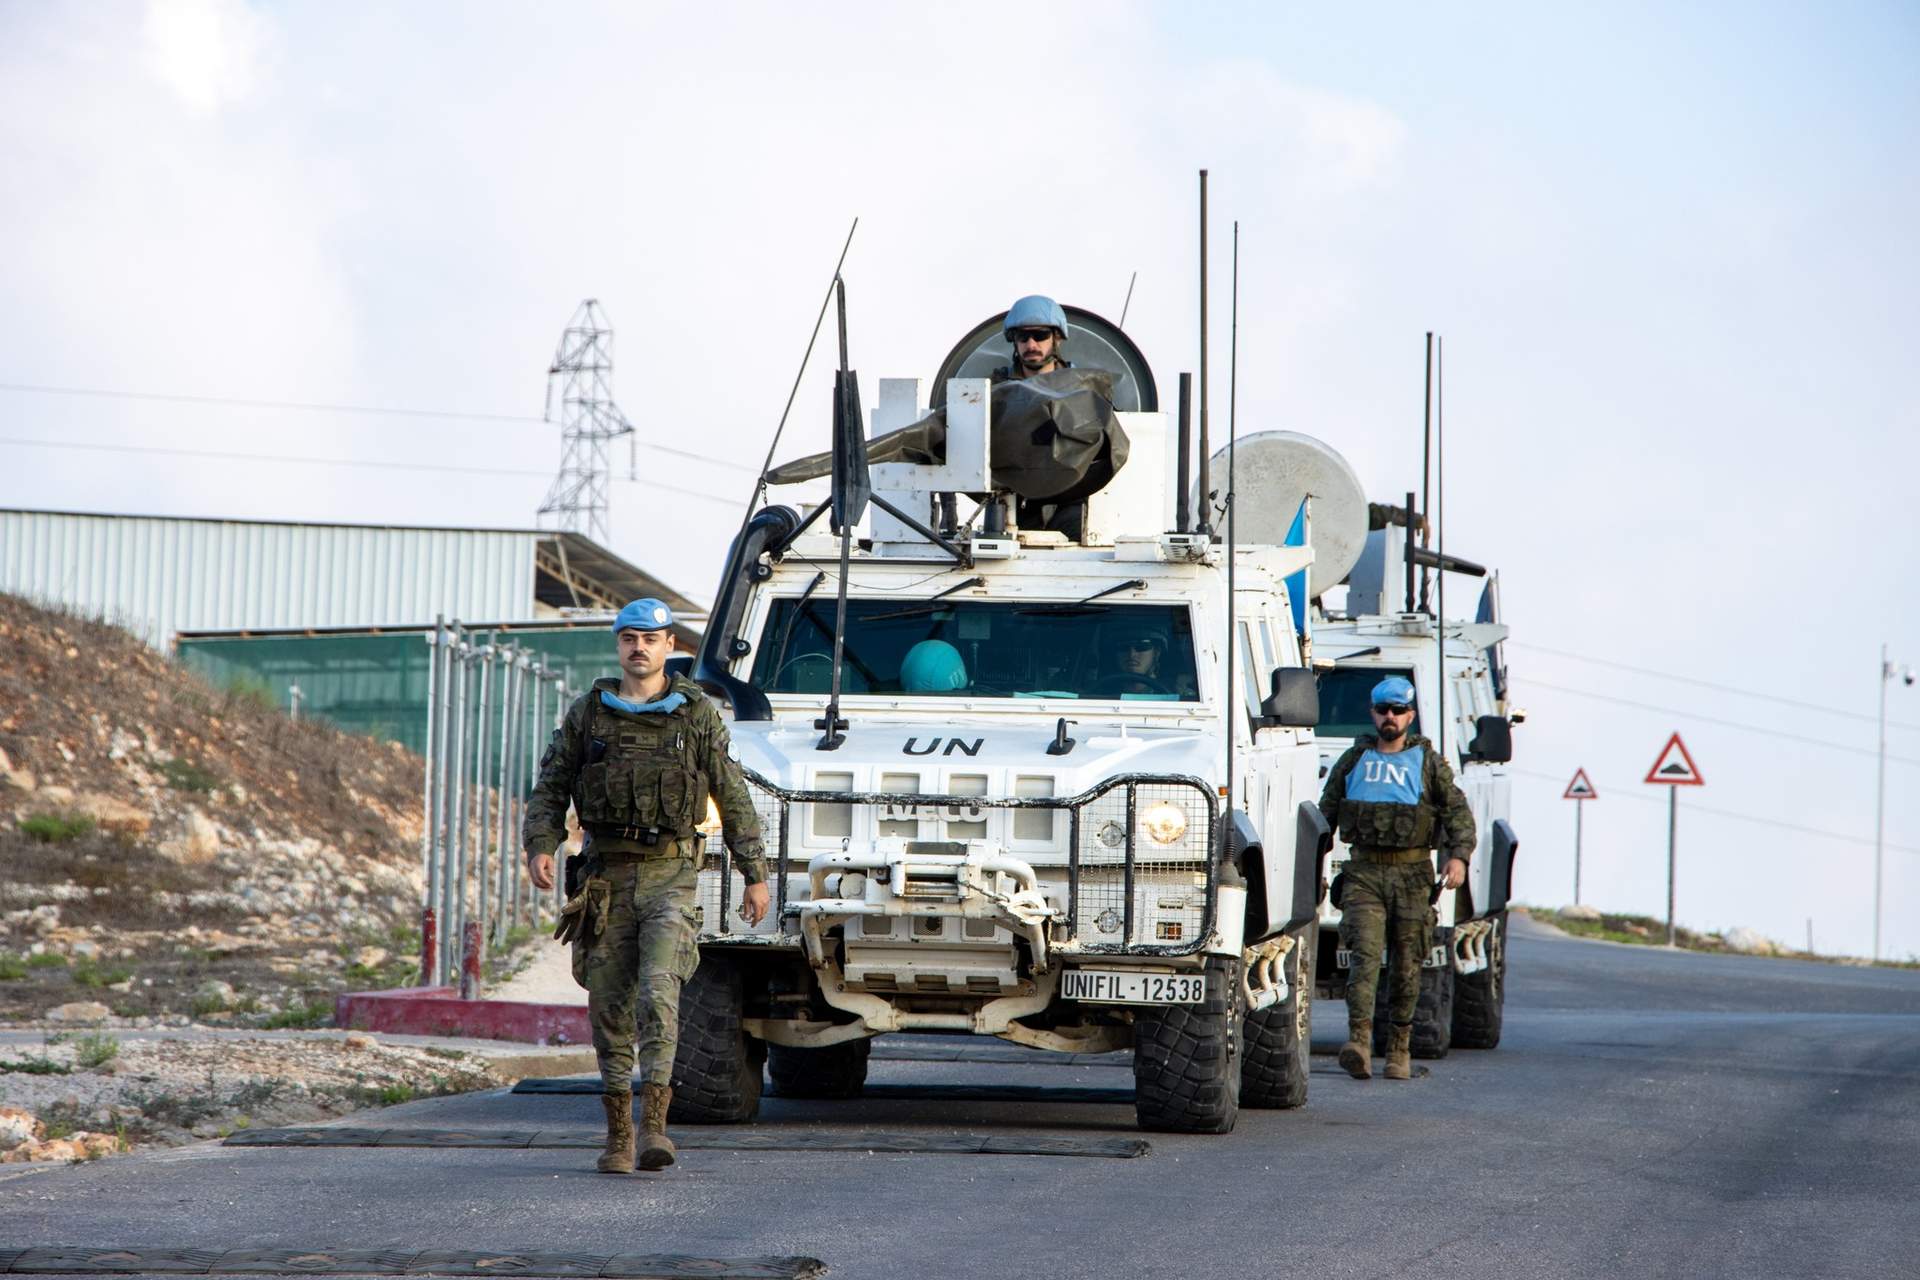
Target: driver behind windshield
<point>1130,654</point>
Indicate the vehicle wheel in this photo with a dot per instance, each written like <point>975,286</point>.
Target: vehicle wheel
<point>1432,1013</point>
<point>1186,1058</point>
<point>833,1071</point>
<point>716,1066</point>
<point>1279,1041</point>
<point>1479,999</point>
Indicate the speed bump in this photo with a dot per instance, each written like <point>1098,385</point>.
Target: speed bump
<point>766,1139</point>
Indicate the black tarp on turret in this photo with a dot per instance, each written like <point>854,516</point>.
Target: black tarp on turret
<point>1055,439</point>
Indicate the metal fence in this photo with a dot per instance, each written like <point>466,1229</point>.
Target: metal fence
<point>490,708</point>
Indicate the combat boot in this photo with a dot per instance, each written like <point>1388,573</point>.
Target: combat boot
<point>618,1157</point>
<point>1399,1040</point>
<point>656,1151</point>
<point>1356,1055</point>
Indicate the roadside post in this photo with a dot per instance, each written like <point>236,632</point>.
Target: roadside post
<point>1673,769</point>
<point>1579,790</point>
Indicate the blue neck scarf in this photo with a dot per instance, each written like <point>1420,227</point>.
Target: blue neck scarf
<point>671,703</point>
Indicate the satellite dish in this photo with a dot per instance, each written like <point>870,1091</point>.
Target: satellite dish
<point>1092,343</point>
<point>1275,470</point>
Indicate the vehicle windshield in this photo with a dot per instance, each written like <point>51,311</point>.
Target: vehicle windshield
<point>976,649</point>
<point>1346,700</point>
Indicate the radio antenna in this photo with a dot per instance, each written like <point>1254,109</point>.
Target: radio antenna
<point>760,485</point>
<point>1440,536</point>
<point>1233,439</point>
<point>1426,467</point>
<point>1206,496</point>
<point>1129,302</point>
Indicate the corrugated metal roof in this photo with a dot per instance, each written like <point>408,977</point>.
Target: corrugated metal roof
<point>160,576</point>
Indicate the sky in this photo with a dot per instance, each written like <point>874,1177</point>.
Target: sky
<point>1668,249</point>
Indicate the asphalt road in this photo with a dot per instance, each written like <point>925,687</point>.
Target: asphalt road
<point>1649,1113</point>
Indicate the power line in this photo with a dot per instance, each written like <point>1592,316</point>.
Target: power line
<point>235,456</point>
<point>1709,684</point>
<point>1725,724</point>
<point>1692,807</point>
<point>231,402</point>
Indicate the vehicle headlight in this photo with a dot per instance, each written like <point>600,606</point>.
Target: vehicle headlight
<point>1164,822</point>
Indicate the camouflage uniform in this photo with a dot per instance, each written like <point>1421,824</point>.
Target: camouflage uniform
<point>639,784</point>
<point>1386,885</point>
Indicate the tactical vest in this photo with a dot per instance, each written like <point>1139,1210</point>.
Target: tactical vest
<point>641,771</point>
<point>1383,807</point>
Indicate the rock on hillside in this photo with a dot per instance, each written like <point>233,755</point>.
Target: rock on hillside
<point>174,848</point>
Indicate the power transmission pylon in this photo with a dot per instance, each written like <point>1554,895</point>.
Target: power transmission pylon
<point>589,418</point>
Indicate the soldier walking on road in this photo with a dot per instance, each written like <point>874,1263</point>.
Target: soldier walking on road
<point>1393,799</point>
<point>638,758</point>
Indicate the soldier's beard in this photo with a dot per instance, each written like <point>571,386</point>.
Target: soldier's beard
<point>1391,732</point>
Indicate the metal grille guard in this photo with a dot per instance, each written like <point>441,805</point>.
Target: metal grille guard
<point>776,810</point>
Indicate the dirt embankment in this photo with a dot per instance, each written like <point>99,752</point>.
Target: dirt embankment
<point>176,851</point>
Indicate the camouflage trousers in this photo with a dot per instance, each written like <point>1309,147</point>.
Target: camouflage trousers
<point>633,964</point>
<point>1384,908</point>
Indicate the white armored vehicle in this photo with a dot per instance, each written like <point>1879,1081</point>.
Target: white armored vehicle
<point>1386,630</point>
<point>1056,805</point>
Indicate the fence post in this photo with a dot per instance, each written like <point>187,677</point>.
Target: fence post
<point>470,961</point>
<point>450,804</point>
<point>429,943</point>
<point>431,799</point>
<point>481,757</point>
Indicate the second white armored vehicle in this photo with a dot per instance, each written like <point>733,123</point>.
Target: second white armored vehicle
<point>1070,805</point>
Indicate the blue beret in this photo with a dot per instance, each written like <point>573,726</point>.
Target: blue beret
<point>1395,689</point>
<point>644,615</point>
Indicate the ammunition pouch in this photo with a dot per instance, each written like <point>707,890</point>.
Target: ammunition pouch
<point>1386,826</point>
<point>1338,890</point>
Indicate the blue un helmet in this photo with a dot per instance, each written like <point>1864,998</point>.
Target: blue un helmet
<point>932,666</point>
<point>1395,691</point>
<point>644,615</point>
<point>1035,311</point>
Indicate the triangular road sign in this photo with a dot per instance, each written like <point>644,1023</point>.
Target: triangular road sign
<point>1581,788</point>
<point>1675,768</point>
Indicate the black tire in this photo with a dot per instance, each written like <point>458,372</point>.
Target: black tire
<point>716,1066</point>
<point>1186,1059</point>
<point>1432,1014</point>
<point>833,1071</point>
<point>1480,999</point>
<point>1279,1041</point>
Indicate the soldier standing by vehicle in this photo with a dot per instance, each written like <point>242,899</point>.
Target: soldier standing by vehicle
<point>638,757</point>
<point>1036,326</point>
<point>1392,799</point>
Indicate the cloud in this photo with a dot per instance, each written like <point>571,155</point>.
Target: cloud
<point>209,53</point>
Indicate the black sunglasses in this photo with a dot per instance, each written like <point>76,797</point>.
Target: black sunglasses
<point>1391,708</point>
<point>1031,335</point>
<point>1138,646</point>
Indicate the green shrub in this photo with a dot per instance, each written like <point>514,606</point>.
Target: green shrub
<point>308,1013</point>
<point>251,691</point>
<point>88,974</point>
<point>95,1050</point>
<point>47,960</point>
<point>185,775</point>
<point>12,968</point>
<point>56,828</point>
<point>36,1067</point>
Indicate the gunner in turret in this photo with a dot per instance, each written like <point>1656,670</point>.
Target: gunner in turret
<point>1035,326</point>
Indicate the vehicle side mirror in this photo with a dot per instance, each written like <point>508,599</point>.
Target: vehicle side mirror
<point>1294,702</point>
<point>1492,740</point>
